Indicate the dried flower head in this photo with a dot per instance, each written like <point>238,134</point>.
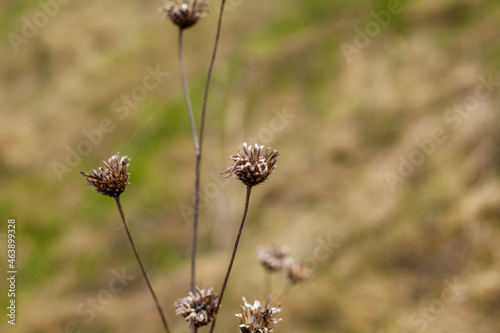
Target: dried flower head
<point>112,180</point>
<point>199,308</point>
<point>251,166</point>
<point>185,13</point>
<point>297,271</point>
<point>256,318</point>
<point>273,258</point>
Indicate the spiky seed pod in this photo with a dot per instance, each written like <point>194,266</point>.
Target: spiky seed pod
<point>185,13</point>
<point>256,318</point>
<point>199,308</point>
<point>273,258</point>
<point>252,166</point>
<point>111,180</point>
<point>297,271</point>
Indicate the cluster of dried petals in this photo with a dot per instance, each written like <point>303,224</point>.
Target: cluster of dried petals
<point>199,308</point>
<point>111,180</point>
<point>252,166</point>
<point>185,13</point>
<point>256,318</point>
<point>297,271</point>
<point>273,258</point>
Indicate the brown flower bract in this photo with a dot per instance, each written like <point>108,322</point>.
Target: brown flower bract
<point>252,166</point>
<point>113,179</point>
<point>256,318</point>
<point>199,308</point>
<point>297,271</point>
<point>273,258</point>
<point>185,14</point>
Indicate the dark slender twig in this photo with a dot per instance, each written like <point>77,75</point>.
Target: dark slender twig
<point>200,145</point>
<point>209,76</point>
<point>233,255</point>
<point>194,329</point>
<point>153,293</point>
<point>198,142</point>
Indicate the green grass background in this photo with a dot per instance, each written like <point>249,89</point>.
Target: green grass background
<point>353,121</point>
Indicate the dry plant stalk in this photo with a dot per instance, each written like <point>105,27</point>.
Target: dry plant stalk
<point>252,169</point>
<point>252,166</point>
<point>184,14</point>
<point>112,181</point>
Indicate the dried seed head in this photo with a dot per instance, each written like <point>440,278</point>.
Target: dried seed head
<point>199,308</point>
<point>185,13</point>
<point>112,180</point>
<point>297,271</point>
<point>256,318</point>
<point>251,166</point>
<point>273,258</point>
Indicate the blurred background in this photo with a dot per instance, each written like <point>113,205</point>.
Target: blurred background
<point>386,117</point>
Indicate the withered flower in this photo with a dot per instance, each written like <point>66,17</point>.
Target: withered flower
<point>273,258</point>
<point>185,13</point>
<point>251,166</point>
<point>113,179</point>
<point>199,308</point>
<point>297,271</point>
<point>256,318</point>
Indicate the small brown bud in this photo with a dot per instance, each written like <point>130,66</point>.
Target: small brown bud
<point>199,308</point>
<point>113,179</point>
<point>297,271</point>
<point>251,166</point>
<point>273,258</point>
<point>256,318</point>
<point>185,13</point>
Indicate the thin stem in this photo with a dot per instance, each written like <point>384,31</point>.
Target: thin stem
<point>195,217</point>
<point>198,143</point>
<point>153,293</point>
<point>198,156</point>
<point>186,93</point>
<point>199,147</point>
<point>209,76</point>
<point>235,248</point>
<point>194,329</point>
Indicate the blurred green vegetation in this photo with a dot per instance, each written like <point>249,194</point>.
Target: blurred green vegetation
<point>354,119</point>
